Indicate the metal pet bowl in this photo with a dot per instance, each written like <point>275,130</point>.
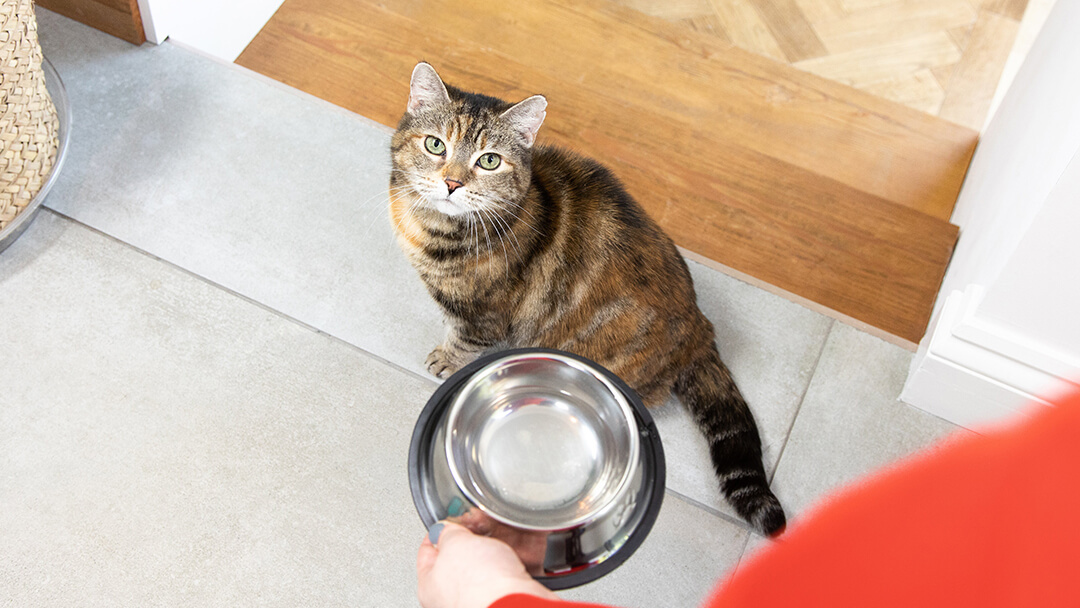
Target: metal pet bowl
<point>55,86</point>
<point>546,451</point>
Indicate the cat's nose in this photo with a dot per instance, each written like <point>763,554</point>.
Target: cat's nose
<point>452,184</point>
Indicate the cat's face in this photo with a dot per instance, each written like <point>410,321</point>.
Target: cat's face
<point>462,153</point>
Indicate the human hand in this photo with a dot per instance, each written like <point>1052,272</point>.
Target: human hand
<point>463,570</point>
<point>530,546</point>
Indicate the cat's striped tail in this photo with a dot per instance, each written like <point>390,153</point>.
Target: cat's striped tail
<point>718,408</point>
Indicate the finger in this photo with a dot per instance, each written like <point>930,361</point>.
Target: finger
<point>477,522</point>
<point>425,558</point>
<point>428,552</point>
<point>447,531</point>
<point>434,531</point>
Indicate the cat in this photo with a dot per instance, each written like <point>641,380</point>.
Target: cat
<point>527,245</point>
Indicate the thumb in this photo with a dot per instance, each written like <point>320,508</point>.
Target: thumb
<point>447,531</point>
<point>425,558</point>
<point>438,534</point>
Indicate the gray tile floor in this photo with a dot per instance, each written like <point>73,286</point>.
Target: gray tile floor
<point>214,360</point>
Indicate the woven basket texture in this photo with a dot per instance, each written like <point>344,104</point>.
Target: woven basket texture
<point>28,122</point>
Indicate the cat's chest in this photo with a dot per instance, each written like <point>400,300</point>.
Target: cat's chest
<point>454,263</point>
<point>473,287</point>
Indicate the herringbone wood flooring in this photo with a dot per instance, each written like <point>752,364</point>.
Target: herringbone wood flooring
<point>943,57</point>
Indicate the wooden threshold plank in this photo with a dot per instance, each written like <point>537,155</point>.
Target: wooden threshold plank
<point>121,18</point>
<point>871,144</point>
<point>850,251</point>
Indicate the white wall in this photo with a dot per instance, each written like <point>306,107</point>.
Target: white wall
<point>1006,330</point>
<point>1023,152</point>
<point>1037,293</point>
<point>1034,18</point>
<point>220,28</point>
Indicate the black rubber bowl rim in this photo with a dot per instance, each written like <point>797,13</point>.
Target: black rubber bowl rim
<point>651,444</point>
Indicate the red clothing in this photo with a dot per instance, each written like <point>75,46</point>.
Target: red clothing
<point>985,521</point>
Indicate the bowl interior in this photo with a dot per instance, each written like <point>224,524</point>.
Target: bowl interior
<point>541,441</point>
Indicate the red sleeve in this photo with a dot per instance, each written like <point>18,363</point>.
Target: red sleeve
<point>520,600</point>
<point>985,521</point>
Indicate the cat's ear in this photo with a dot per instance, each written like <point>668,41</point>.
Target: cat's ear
<point>426,90</point>
<point>526,117</point>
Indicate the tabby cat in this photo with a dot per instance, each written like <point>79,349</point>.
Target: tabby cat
<point>530,245</point>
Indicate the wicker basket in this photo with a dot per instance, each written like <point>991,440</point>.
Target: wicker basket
<point>28,122</point>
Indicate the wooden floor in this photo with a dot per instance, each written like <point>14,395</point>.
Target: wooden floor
<point>120,18</point>
<point>943,57</point>
<point>825,192</point>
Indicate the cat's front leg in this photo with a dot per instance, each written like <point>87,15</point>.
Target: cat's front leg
<point>457,351</point>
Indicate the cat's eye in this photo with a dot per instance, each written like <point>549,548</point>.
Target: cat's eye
<point>435,145</point>
<point>489,161</point>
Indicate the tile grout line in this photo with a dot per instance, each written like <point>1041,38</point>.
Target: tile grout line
<point>742,556</point>
<point>802,400</point>
<point>240,296</point>
<point>787,438</point>
<point>710,510</point>
<point>751,534</point>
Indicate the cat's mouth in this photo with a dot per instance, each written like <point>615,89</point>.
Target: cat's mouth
<point>448,206</point>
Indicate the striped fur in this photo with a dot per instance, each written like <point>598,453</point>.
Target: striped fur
<point>551,251</point>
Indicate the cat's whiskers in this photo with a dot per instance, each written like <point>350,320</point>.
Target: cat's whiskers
<point>381,200</point>
<point>497,220</point>
<point>508,229</point>
<point>380,197</point>
<point>506,257</point>
<point>476,240</point>
<point>513,235</point>
<point>483,225</point>
<point>419,197</point>
<point>417,201</point>
<point>384,200</point>
<point>499,199</point>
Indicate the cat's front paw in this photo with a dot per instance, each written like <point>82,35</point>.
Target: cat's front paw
<point>441,364</point>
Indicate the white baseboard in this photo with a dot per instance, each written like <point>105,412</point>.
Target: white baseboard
<point>975,373</point>
<point>146,13</point>
<point>218,29</point>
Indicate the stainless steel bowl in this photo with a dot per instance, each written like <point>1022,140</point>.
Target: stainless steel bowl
<point>541,441</point>
<point>58,94</point>
<point>547,451</point>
